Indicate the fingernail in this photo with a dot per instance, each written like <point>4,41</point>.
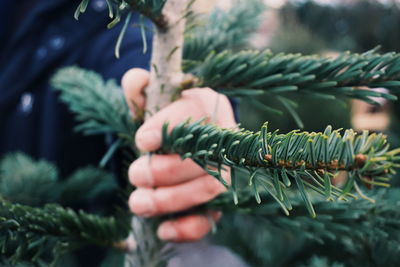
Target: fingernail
<point>167,231</point>
<point>140,172</point>
<point>143,203</point>
<point>148,140</point>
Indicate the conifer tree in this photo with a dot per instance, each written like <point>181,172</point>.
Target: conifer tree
<point>279,182</point>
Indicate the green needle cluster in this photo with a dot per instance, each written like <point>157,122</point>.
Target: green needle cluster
<point>272,161</point>
<point>250,73</point>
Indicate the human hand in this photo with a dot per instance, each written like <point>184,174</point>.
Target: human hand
<point>166,184</point>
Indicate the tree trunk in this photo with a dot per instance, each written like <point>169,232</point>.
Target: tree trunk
<point>166,62</point>
<point>165,77</point>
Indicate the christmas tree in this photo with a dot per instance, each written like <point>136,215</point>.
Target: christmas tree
<point>282,199</point>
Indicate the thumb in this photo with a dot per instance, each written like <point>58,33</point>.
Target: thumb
<point>133,83</point>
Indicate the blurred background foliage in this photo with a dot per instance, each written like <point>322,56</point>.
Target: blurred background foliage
<point>324,27</point>
<point>317,27</point>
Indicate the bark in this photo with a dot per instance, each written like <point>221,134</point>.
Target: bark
<point>165,77</point>
<point>166,62</point>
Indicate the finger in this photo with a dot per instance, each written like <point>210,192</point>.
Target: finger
<point>195,104</point>
<point>163,170</point>
<point>188,228</point>
<point>134,82</point>
<point>150,202</point>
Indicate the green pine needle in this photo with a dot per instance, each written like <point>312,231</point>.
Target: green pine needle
<point>314,74</point>
<point>307,157</point>
<point>99,105</point>
<point>29,234</point>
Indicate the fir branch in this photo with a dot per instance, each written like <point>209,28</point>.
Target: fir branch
<point>151,9</point>
<point>271,159</point>
<point>20,177</point>
<point>27,233</point>
<point>250,73</point>
<point>352,219</point>
<point>254,73</point>
<point>118,9</point>
<point>222,30</point>
<point>99,105</point>
<point>363,231</point>
<point>87,185</point>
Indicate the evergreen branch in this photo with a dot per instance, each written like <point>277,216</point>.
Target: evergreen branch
<point>99,105</point>
<point>20,176</point>
<point>250,73</point>
<point>222,30</point>
<point>351,219</point>
<point>86,186</point>
<point>363,231</point>
<point>270,160</point>
<point>151,9</point>
<point>27,233</point>
<point>118,9</point>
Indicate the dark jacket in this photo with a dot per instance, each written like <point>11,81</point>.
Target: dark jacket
<point>37,38</point>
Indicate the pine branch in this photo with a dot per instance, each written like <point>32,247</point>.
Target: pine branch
<point>20,176</point>
<point>361,230</point>
<point>151,9</point>
<point>118,9</point>
<point>28,233</point>
<point>99,105</point>
<point>352,219</point>
<point>222,30</point>
<point>252,73</point>
<point>271,160</point>
<point>87,185</point>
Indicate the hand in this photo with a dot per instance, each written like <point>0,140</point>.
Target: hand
<point>165,183</point>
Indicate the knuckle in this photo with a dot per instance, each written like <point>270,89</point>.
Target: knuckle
<point>162,170</point>
<point>208,91</point>
<point>165,202</point>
